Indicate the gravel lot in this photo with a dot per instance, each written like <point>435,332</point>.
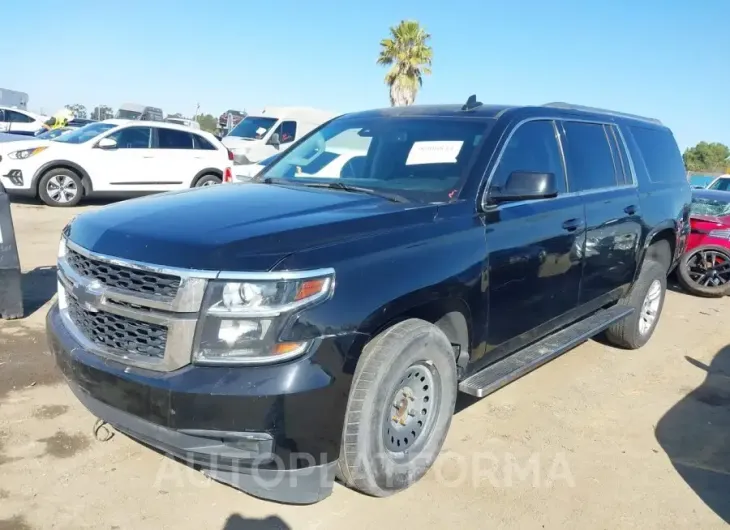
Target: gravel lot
<point>599,438</point>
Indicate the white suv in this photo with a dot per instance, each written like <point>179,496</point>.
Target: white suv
<point>113,157</point>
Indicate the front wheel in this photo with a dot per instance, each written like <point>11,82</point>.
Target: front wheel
<point>399,410</point>
<point>705,271</point>
<point>61,187</point>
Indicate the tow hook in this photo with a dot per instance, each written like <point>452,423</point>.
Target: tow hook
<point>102,431</point>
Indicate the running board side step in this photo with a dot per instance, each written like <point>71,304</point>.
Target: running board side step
<point>522,362</point>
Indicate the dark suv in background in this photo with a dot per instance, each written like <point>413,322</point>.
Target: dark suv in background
<point>321,326</point>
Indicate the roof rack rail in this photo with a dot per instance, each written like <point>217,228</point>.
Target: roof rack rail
<point>570,106</point>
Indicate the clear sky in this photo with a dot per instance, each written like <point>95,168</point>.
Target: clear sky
<point>663,58</point>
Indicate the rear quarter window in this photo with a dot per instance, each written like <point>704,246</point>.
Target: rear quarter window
<point>201,143</point>
<point>659,156</point>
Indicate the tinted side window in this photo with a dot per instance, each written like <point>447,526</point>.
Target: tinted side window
<point>287,131</point>
<point>172,139</point>
<point>17,117</point>
<point>201,143</point>
<point>660,154</point>
<point>534,148</point>
<point>133,138</point>
<point>588,157</point>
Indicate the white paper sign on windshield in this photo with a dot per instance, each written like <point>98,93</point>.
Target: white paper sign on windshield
<point>260,131</point>
<point>440,152</point>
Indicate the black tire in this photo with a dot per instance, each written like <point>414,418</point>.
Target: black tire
<point>690,285</point>
<point>56,185</point>
<point>393,360</point>
<point>207,180</point>
<point>628,332</point>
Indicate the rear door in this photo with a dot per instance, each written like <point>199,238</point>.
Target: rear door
<point>599,172</point>
<point>176,159</point>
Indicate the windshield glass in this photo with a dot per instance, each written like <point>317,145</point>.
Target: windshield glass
<point>128,114</point>
<point>419,158</point>
<point>720,184</point>
<point>713,207</point>
<point>253,127</point>
<point>85,133</point>
<point>53,133</point>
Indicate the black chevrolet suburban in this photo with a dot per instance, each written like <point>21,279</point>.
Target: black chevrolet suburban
<point>313,326</point>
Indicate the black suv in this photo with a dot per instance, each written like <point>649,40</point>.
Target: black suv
<point>307,326</point>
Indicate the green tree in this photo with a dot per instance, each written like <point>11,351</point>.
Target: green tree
<point>102,112</point>
<point>207,122</point>
<point>711,157</point>
<point>78,109</point>
<point>409,56</point>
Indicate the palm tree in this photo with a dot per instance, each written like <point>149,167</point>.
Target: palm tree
<point>409,56</point>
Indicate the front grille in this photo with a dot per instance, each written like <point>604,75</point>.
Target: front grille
<point>124,278</point>
<point>117,332</point>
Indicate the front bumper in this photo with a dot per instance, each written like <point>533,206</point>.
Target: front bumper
<point>271,431</point>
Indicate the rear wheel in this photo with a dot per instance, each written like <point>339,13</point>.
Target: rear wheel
<point>207,180</point>
<point>705,271</point>
<point>61,187</point>
<point>399,410</point>
<point>647,298</point>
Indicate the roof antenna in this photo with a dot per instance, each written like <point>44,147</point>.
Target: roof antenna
<point>471,103</point>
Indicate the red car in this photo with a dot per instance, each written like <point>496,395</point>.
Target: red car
<point>705,267</point>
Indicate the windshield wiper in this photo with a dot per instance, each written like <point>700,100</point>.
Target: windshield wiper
<point>355,189</point>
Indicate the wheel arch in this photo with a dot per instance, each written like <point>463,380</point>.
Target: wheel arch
<point>62,164</point>
<point>208,171</point>
<point>450,315</point>
<point>666,231</point>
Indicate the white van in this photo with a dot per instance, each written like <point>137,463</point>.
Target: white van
<point>272,131</point>
<point>184,122</point>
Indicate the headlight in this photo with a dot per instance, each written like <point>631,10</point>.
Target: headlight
<point>26,153</point>
<point>241,322</point>
<point>62,247</point>
<point>723,233</point>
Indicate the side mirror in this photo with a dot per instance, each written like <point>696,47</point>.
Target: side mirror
<point>274,140</point>
<point>525,185</point>
<point>107,143</point>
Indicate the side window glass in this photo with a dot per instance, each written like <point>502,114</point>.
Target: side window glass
<point>532,148</point>
<point>287,131</point>
<point>2,115</point>
<point>174,139</point>
<point>133,138</point>
<point>17,117</point>
<point>661,157</point>
<point>201,143</point>
<point>620,162</point>
<point>588,157</point>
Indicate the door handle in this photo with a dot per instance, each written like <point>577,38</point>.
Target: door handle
<point>148,156</point>
<point>571,225</point>
<point>630,209</point>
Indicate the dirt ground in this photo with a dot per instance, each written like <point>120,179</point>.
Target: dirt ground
<point>599,438</point>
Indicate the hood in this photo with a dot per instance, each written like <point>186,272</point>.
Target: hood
<point>25,142</point>
<point>240,227</point>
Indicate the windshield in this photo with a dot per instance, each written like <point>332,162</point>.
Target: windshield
<point>720,184</point>
<point>85,133</point>
<point>713,207</point>
<point>53,133</point>
<point>419,158</point>
<point>253,127</point>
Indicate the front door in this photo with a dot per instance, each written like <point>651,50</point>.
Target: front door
<point>598,169</point>
<point>128,167</point>
<point>535,247</point>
